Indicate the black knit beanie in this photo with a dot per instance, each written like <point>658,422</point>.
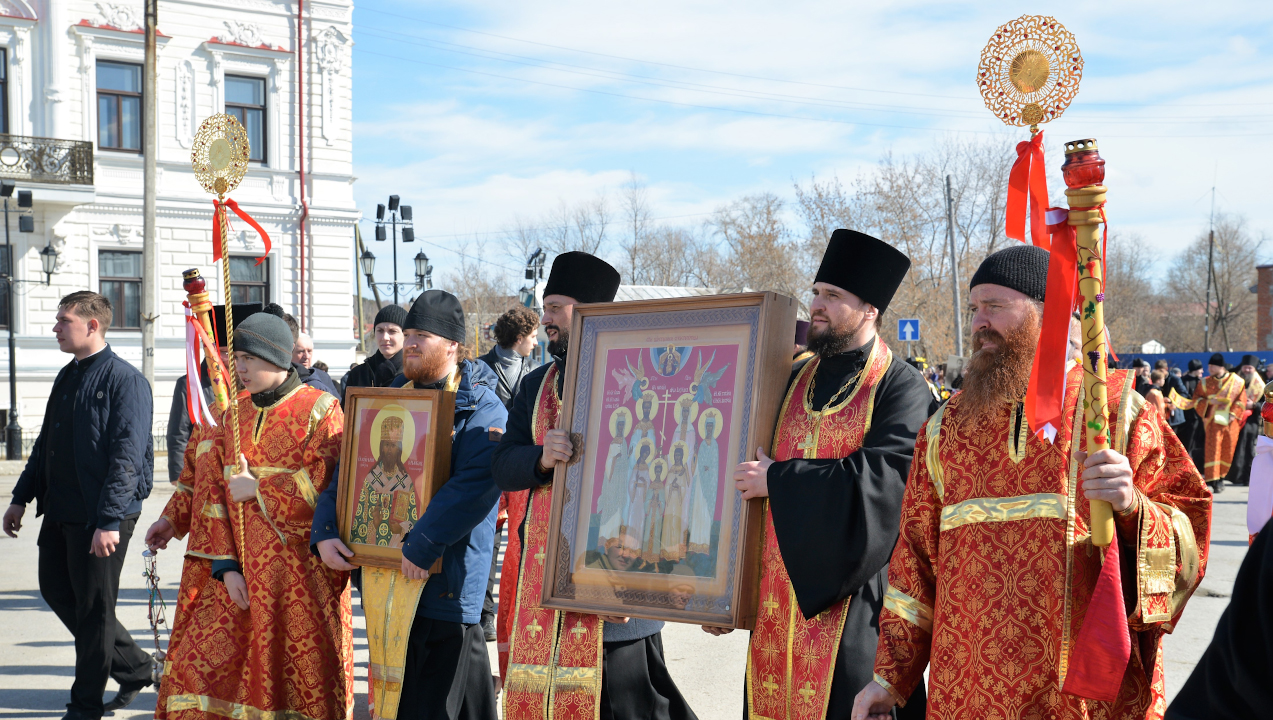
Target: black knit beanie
<point>1217,359</point>
<point>394,314</point>
<point>1023,268</point>
<point>267,337</point>
<point>438,312</point>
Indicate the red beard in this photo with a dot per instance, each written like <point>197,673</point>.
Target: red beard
<point>995,376</point>
<point>424,368</point>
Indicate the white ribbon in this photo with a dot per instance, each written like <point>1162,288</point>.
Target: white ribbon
<point>194,393</point>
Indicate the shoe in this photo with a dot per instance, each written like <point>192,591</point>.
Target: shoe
<point>1217,487</point>
<point>488,627</point>
<point>126,695</point>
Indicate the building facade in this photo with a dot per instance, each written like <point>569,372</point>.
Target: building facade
<point>71,91</point>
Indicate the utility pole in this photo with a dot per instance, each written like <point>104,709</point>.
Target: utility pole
<point>954,270</point>
<point>1211,271</point>
<point>13,432</point>
<point>150,151</point>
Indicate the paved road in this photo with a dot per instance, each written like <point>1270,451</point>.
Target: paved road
<point>37,654</point>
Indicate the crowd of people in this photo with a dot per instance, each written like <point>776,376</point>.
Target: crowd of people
<point>924,554</point>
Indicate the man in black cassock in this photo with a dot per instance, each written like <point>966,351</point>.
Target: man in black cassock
<point>1244,449</point>
<point>836,518</point>
<point>635,683</point>
<point>1191,432</point>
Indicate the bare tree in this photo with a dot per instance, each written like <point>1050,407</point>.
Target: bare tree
<point>758,248</point>
<point>1131,312</point>
<point>636,212</point>
<point>483,292</point>
<point>1233,306</point>
<point>666,256</point>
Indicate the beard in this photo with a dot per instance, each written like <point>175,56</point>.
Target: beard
<point>558,347</point>
<point>829,341</point>
<point>391,457</point>
<point>424,367</point>
<point>996,375</point>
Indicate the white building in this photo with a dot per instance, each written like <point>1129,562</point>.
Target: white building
<point>71,91</point>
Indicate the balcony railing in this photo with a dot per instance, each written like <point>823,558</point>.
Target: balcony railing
<point>46,160</point>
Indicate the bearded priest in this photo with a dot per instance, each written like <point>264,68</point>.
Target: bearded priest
<point>841,452</point>
<point>994,572</point>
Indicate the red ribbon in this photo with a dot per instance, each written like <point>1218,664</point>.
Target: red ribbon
<point>1028,179</point>
<point>1044,400</point>
<point>1103,646</point>
<point>216,228</point>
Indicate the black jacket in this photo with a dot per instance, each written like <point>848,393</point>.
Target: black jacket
<point>316,378</point>
<point>114,454</point>
<point>375,371</point>
<point>179,425</point>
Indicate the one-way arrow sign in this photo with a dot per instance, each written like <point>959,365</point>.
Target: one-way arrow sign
<point>908,329</point>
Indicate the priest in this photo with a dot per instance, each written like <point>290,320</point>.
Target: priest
<point>1244,450</point>
<point>1220,400</point>
<point>586,667</point>
<point>994,571</point>
<point>841,452</point>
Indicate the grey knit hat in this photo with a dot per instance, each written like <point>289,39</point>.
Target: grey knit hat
<point>1023,268</point>
<point>267,337</point>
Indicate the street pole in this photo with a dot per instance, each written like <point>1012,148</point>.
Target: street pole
<point>13,431</point>
<point>1211,271</point>
<point>362,345</point>
<point>150,148</point>
<point>393,217</point>
<point>954,270</point>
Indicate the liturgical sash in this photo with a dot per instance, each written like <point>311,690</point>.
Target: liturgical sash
<point>790,660</point>
<point>554,658</point>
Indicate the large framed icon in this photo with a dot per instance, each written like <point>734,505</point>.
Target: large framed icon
<point>664,398</point>
<point>395,455</point>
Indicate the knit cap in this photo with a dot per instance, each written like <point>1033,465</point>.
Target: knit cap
<point>266,336</point>
<point>1023,268</point>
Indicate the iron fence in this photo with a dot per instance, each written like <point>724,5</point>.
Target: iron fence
<point>158,436</point>
<point>46,160</point>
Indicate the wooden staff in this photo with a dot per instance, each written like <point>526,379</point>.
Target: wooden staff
<point>201,306</point>
<point>1084,171</point>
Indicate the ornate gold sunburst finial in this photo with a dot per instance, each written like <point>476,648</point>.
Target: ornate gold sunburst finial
<point>1030,70</point>
<point>220,154</point>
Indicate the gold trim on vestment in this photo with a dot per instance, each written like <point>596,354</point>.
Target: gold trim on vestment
<point>1071,524</point>
<point>260,501</point>
<point>527,678</point>
<point>321,407</point>
<point>1018,433</point>
<point>909,609</point>
<point>1186,581</point>
<point>206,556</point>
<point>901,701</point>
<point>203,447</point>
<point>225,708</point>
<point>1130,406</point>
<point>214,510</point>
<point>389,601</point>
<point>306,486</point>
<point>182,487</point>
<point>932,456</point>
<point>1022,507</point>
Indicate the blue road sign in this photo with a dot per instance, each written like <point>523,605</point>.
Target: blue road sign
<point>908,329</point>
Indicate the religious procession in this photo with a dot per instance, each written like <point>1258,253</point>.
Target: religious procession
<point>643,501</point>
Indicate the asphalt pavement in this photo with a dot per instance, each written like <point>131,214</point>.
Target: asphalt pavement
<point>37,653</point>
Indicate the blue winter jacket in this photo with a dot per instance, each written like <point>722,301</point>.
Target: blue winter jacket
<point>114,454</point>
<point>459,523</point>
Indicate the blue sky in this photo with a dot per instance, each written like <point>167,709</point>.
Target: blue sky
<point>477,113</point>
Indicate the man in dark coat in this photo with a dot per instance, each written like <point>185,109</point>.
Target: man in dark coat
<point>1191,432</point>
<point>178,433</point>
<point>635,683</point>
<point>836,514</point>
<point>383,365</point>
<point>1244,449</point>
<point>89,471</point>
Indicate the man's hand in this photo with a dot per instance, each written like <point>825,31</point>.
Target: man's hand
<point>752,478</point>
<point>243,483</point>
<point>1107,476</point>
<point>413,571</point>
<point>333,552</point>
<point>237,587</point>
<point>13,519</point>
<point>159,534</point>
<point>873,703</point>
<point>557,449</point>
<point>716,631</point>
<point>615,619</point>
<point>104,542</point>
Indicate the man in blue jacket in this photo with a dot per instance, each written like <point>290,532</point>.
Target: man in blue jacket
<point>442,672</point>
<point>89,471</point>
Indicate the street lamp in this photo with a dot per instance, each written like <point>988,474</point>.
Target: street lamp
<point>48,262</point>
<point>534,273</point>
<point>423,271</point>
<point>387,221</point>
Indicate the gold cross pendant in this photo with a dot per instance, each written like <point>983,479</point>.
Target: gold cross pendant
<point>808,447</point>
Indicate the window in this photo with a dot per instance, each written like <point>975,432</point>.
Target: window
<point>4,90</point>
<point>249,282</point>
<point>245,99</point>
<point>120,278</point>
<point>118,106</point>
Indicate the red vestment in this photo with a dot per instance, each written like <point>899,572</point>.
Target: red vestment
<point>1222,422</point>
<point>291,653</point>
<point>994,567</point>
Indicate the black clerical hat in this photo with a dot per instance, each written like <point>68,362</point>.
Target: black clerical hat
<point>1019,267</point>
<point>869,268</point>
<point>586,278</point>
<point>1217,359</point>
<point>1195,364</point>
<point>1251,360</point>
<point>438,312</point>
<point>241,313</point>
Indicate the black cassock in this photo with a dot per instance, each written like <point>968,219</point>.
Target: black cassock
<point>1244,448</point>
<point>1231,681</point>
<point>1191,432</point>
<point>837,520</point>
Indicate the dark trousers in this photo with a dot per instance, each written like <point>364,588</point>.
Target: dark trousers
<point>81,588</point>
<point>447,674</point>
<point>488,605</point>
<point>635,683</point>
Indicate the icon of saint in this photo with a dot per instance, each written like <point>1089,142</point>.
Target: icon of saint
<point>386,507</point>
<point>678,483</point>
<point>612,506</point>
<point>705,483</point>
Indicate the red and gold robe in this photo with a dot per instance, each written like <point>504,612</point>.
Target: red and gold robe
<point>1222,422</point>
<point>552,667</point>
<point>994,567</point>
<point>291,653</point>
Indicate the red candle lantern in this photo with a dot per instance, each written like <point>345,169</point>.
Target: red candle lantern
<point>1083,164</point>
